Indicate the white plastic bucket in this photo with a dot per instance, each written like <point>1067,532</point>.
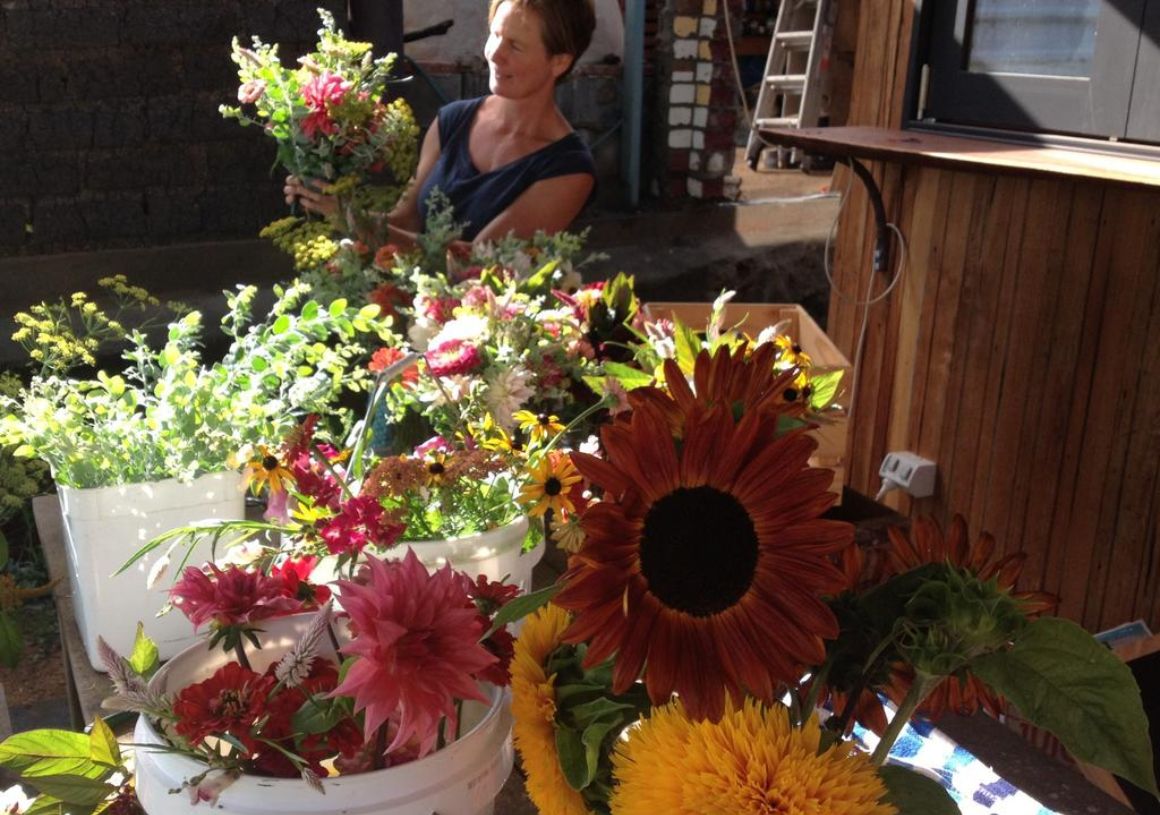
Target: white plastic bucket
<point>496,553</point>
<point>104,526</point>
<point>461,779</point>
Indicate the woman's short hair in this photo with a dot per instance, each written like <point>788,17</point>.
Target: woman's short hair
<point>567,25</point>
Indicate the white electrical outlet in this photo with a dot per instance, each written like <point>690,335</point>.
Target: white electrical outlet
<point>908,472</point>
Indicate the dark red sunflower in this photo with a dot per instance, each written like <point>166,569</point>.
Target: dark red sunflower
<point>927,544</point>
<point>706,544</point>
<point>743,380</point>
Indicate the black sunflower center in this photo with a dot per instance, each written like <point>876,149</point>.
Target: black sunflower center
<point>544,419</point>
<point>698,550</point>
<point>436,468</point>
<point>553,486</point>
<point>270,463</point>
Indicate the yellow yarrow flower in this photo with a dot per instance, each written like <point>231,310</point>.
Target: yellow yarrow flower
<point>751,762</point>
<point>534,711</point>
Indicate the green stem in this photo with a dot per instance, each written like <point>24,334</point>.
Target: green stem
<point>240,653</point>
<point>601,405</point>
<point>816,682</point>
<point>919,690</point>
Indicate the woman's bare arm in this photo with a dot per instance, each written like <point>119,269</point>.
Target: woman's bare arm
<point>550,205</point>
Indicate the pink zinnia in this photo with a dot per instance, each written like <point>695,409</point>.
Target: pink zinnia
<point>230,597</point>
<point>453,357</point>
<point>416,639</point>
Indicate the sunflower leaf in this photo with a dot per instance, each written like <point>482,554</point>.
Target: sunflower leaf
<point>1064,681</point>
<point>688,346</point>
<point>47,805</point>
<point>11,641</point>
<point>521,607</point>
<point>593,739</point>
<point>915,794</point>
<point>602,709</point>
<point>573,758</point>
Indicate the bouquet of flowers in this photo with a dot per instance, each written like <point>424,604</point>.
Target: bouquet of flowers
<point>328,116</point>
<point>705,586</point>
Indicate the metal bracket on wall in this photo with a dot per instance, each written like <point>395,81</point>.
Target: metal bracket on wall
<point>882,236</point>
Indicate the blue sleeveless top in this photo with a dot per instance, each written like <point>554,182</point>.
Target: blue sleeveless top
<point>479,197</point>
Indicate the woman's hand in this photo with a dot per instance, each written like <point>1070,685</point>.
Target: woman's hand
<point>305,192</point>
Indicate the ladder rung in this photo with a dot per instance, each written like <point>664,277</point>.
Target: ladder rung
<point>779,121</point>
<point>795,39</point>
<point>787,82</point>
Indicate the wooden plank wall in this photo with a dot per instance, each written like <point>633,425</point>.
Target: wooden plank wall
<point>1021,352</point>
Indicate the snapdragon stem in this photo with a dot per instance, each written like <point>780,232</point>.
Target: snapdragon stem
<point>922,686</point>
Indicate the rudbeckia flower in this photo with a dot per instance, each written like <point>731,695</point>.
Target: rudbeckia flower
<point>550,482</point>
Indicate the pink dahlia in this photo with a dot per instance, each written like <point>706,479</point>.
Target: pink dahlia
<point>453,357</point>
<point>230,597</point>
<point>324,90</point>
<point>416,639</point>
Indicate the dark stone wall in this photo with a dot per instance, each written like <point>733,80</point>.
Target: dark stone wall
<point>110,135</point>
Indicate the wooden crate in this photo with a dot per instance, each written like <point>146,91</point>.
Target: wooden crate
<point>833,437</point>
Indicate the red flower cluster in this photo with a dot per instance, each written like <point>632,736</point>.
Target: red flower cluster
<point>386,357</point>
<point>258,713</point>
<point>232,597</point>
<point>360,521</point>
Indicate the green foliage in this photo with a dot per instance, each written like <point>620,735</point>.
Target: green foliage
<point>589,719</point>
<point>73,772</point>
<point>168,414</point>
<point>912,793</point>
<point>145,658</point>
<point>1065,681</point>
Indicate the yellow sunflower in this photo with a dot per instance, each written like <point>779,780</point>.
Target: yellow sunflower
<point>534,710</point>
<point>540,427</point>
<point>710,545</point>
<point>265,469</point>
<point>551,480</point>
<point>752,762</point>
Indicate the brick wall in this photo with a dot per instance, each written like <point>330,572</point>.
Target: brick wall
<point>695,111</point>
<point>109,130</point>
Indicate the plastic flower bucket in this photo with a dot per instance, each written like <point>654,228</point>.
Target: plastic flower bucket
<point>104,526</point>
<point>496,553</point>
<point>463,778</point>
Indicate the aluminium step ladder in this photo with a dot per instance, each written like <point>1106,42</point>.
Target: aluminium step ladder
<point>793,85</point>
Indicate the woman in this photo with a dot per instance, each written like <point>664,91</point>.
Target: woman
<point>509,162</point>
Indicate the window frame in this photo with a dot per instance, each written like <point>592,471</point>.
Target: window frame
<point>1117,108</point>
